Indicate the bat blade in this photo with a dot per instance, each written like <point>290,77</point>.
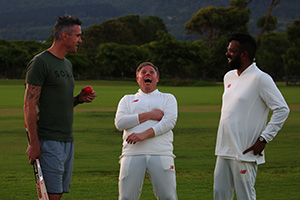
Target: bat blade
<point>40,183</point>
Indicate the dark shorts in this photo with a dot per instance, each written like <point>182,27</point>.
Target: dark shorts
<point>57,165</point>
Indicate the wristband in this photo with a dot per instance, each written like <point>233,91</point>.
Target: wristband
<point>77,98</point>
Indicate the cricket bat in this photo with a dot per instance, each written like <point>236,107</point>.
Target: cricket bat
<point>39,179</point>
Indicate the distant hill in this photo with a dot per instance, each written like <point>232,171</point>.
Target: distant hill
<point>34,19</point>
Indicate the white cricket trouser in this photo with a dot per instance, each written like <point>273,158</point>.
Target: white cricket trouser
<point>161,171</point>
<point>230,174</point>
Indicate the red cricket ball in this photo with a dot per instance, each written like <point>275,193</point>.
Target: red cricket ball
<point>88,89</point>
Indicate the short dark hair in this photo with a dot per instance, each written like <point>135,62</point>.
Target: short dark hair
<point>247,43</point>
<point>65,23</point>
<point>145,64</point>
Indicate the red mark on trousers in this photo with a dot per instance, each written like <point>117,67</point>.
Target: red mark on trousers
<point>229,86</point>
<point>135,100</point>
<point>243,171</point>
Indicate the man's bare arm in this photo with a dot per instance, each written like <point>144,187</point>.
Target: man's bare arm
<point>31,98</point>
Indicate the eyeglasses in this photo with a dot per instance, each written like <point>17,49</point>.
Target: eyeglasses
<point>233,51</point>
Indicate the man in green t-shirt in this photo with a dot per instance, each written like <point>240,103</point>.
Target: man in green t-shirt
<point>48,107</point>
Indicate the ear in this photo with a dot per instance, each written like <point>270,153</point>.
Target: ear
<point>245,53</point>
<point>64,36</point>
<point>157,79</point>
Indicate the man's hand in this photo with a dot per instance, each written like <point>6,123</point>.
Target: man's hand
<point>84,97</point>
<point>136,137</point>
<point>33,152</point>
<point>87,97</point>
<point>257,148</point>
<point>155,114</point>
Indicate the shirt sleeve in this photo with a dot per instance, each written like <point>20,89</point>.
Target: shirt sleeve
<point>169,119</point>
<point>36,72</point>
<point>275,101</point>
<point>123,120</point>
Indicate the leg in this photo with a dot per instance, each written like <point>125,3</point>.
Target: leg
<point>223,181</point>
<point>161,170</point>
<point>57,163</point>
<point>68,166</point>
<point>244,174</point>
<point>54,196</point>
<point>131,178</point>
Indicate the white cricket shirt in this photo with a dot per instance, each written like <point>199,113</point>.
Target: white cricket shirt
<point>246,102</point>
<point>126,119</point>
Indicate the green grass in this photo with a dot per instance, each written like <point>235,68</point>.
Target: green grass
<point>98,145</point>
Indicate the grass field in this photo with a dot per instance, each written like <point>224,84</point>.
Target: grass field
<point>98,145</point>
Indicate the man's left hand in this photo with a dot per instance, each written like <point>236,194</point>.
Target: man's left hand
<point>87,97</point>
<point>257,148</point>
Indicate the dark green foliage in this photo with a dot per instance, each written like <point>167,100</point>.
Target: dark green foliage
<point>291,58</point>
<point>272,22</point>
<point>15,55</point>
<point>293,32</point>
<point>118,61</point>
<point>128,30</point>
<point>272,47</point>
<point>115,47</point>
<point>215,22</point>
<point>82,65</point>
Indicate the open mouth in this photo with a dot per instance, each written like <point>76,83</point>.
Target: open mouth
<point>148,80</point>
<point>229,58</point>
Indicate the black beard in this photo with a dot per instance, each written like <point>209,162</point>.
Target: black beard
<point>235,63</point>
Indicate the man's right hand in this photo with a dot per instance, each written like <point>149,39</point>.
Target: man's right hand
<point>156,114</point>
<point>33,152</point>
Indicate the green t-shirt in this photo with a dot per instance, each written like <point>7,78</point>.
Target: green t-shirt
<point>56,102</point>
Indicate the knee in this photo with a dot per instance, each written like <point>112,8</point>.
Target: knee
<point>168,196</point>
<point>218,190</point>
<point>129,197</point>
<point>218,194</point>
<point>222,193</point>
<point>125,197</point>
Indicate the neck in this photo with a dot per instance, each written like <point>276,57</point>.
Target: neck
<point>147,92</point>
<point>243,68</point>
<point>58,50</point>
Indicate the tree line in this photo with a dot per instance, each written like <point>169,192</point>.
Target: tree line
<point>114,48</point>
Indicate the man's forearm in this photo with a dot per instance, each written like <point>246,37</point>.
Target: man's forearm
<point>30,116</point>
